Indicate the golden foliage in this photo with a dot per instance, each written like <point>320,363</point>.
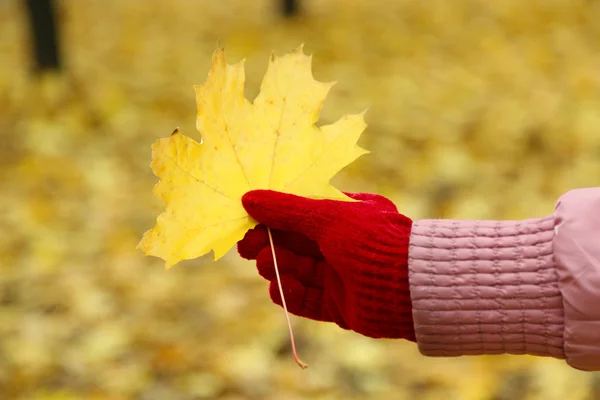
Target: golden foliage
<point>468,99</point>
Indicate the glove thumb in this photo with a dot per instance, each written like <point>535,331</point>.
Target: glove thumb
<point>287,212</point>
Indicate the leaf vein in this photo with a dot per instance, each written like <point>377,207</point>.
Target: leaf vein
<point>237,157</point>
<point>196,178</point>
<point>280,121</point>
<point>315,160</point>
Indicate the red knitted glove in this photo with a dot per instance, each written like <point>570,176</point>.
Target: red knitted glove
<point>343,262</point>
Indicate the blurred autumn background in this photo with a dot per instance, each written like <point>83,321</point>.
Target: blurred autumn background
<point>477,109</point>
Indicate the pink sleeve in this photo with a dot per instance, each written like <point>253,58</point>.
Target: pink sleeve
<point>485,287</point>
<point>577,253</point>
<point>518,287</point>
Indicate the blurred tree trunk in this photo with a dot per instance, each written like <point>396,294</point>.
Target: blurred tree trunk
<point>289,7</point>
<point>42,20</point>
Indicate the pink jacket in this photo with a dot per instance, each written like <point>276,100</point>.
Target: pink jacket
<point>518,287</point>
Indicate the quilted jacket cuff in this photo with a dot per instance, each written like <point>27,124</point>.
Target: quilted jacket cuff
<point>485,287</point>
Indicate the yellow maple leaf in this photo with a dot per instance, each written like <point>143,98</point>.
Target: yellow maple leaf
<point>271,143</point>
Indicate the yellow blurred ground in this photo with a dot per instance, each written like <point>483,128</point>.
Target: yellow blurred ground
<point>478,109</point>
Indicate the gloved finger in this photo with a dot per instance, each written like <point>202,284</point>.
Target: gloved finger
<point>336,298</point>
<point>253,242</point>
<point>332,310</point>
<point>382,203</point>
<point>371,197</point>
<point>257,238</point>
<point>288,212</point>
<point>303,301</point>
<point>309,271</point>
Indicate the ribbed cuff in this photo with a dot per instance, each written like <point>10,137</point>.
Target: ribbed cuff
<point>381,307</point>
<point>485,287</point>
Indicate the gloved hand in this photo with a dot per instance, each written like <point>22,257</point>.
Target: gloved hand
<point>343,262</point>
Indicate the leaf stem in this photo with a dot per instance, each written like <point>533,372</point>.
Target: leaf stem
<point>287,315</point>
